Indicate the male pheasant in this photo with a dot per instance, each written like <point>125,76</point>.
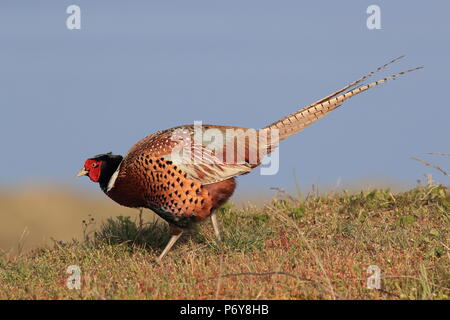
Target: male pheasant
<point>185,173</point>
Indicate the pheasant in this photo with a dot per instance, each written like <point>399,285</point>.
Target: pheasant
<point>184,177</point>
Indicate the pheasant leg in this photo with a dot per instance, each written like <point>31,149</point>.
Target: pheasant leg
<point>215,225</point>
<point>173,239</point>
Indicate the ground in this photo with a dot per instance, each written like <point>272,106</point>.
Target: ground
<point>297,247</point>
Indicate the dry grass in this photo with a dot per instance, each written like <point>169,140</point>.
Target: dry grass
<point>313,247</point>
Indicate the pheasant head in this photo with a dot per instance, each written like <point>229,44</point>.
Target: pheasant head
<point>100,168</point>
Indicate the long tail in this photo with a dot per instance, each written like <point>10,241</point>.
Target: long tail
<point>303,118</point>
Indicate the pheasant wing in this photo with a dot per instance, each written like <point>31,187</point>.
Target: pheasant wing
<point>205,153</point>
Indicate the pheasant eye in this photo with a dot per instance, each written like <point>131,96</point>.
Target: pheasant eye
<point>94,165</point>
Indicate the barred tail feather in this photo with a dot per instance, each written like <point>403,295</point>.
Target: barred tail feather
<point>303,118</point>
<point>358,81</point>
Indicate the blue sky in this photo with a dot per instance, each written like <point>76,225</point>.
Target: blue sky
<point>136,67</point>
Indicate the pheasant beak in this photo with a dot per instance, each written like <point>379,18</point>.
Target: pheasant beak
<point>83,172</point>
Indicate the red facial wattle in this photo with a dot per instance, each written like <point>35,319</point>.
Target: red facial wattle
<point>94,168</point>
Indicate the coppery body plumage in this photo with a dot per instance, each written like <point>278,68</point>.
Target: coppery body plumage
<point>148,177</point>
<point>184,179</point>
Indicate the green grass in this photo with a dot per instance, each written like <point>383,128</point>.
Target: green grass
<point>314,247</point>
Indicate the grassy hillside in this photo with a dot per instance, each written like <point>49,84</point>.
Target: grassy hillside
<point>310,247</point>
